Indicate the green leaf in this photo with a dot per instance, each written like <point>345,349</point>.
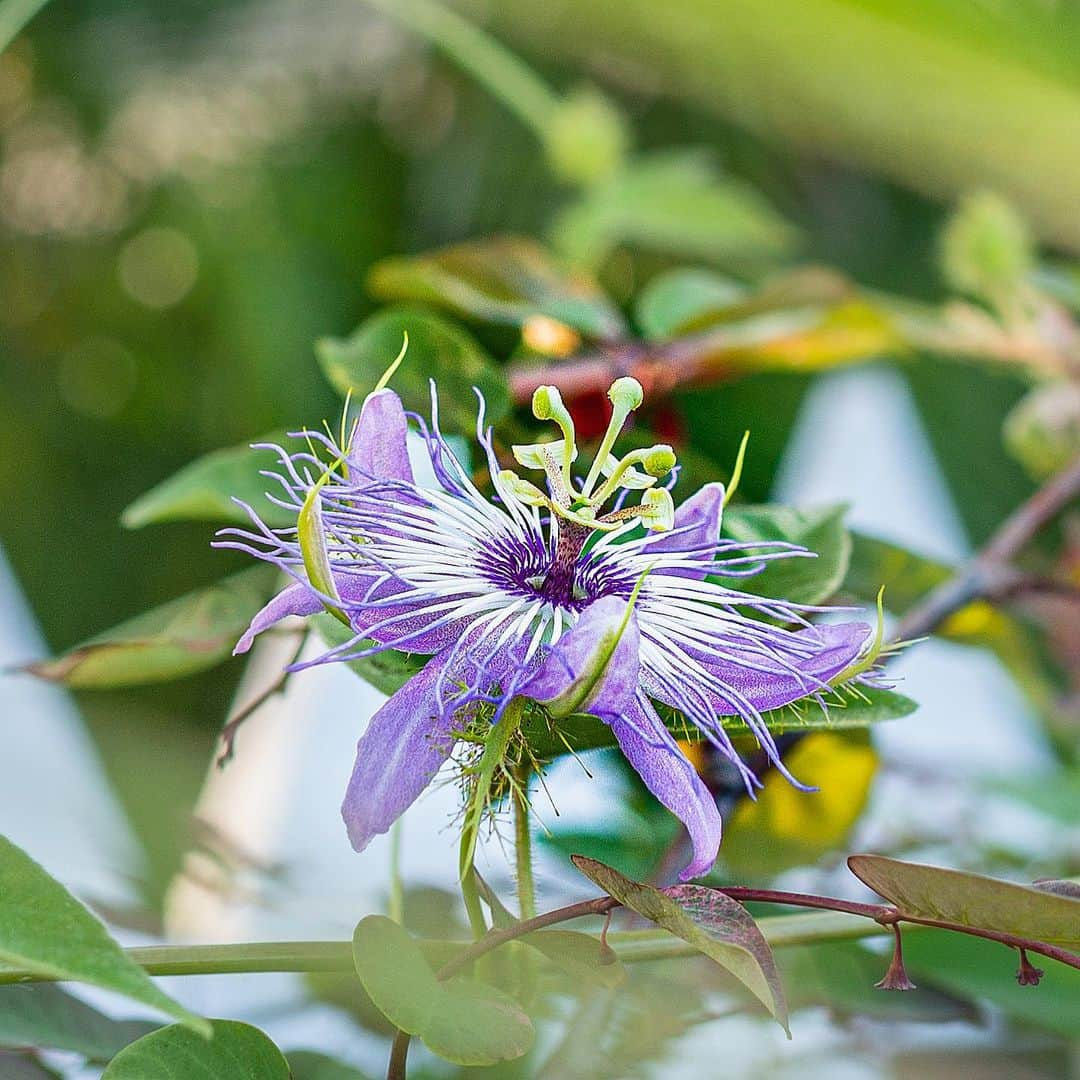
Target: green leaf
<point>44,929</point>
<point>677,301</point>
<point>204,490</point>
<point>504,280</point>
<point>956,896</point>
<point>184,636</point>
<point>710,925</point>
<point>906,575</point>
<point>673,202</point>
<point>235,1052</point>
<point>728,923</point>
<point>438,349</point>
<point>579,955</point>
<point>846,708</point>
<point>978,969</point>
<point>461,1020</point>
<point>800,580</point>
<point>311,1065</point>
<point>44,1015</point>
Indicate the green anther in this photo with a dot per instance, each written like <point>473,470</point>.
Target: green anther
<point>631,478</point>
<point>656,460</point>
<point>625,395</point>
<point>658,510</point>
<point>522,490</point>
<point>547,404</point>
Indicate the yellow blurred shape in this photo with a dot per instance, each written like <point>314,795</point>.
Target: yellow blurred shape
<point>972,619</point>
<point>549,337</point>
<point>785,826</point>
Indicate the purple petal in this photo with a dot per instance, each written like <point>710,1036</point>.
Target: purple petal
<point>652,751</point>
<point>767,684</point>
<point>594,667</point>
<point>378,449</point>
<point>700,517</point>
<point>403,748</point>
<point>296,599</point>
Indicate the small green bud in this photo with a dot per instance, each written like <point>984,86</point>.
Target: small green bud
<point>586,138</point>
<point>626,393</point>
<point>659,460</point>
<point>986,248</point>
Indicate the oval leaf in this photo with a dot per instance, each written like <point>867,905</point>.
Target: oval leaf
<point>676,301</point>
<point>204,490</point>
<point>732,940</point>
<point>235,1052</point>
<point>504,280</point>
<point>956,896</point>
<point>44,929</point>
<point>463,1021</point>
<point>437,349</point>
<point>186,635</point>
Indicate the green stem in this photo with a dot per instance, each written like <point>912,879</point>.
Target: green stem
<point>396,904</point>
<point>14,15</point>
<point>470,893</point>
<point>526,886</point>
<point>506,77</point>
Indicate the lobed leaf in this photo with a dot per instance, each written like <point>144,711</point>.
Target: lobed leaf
<point>710,925</point>
<point>506,279</point>
<point>957,896</point>
<point>235,1051</point>
<point>44,929</point>
<point>461,1020</point>
<point>436,347</point>
<point>187,635</point>
<point>204,490</point>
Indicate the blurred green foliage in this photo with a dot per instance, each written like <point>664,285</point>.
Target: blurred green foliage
<point>192,195</point>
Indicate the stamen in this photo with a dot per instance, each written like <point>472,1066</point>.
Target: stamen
<point>656,460</point>
<point>547,404</point>
<point>625,395</point>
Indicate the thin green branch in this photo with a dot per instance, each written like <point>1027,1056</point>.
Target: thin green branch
<point>14,15</point>
<point>526,887</point>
